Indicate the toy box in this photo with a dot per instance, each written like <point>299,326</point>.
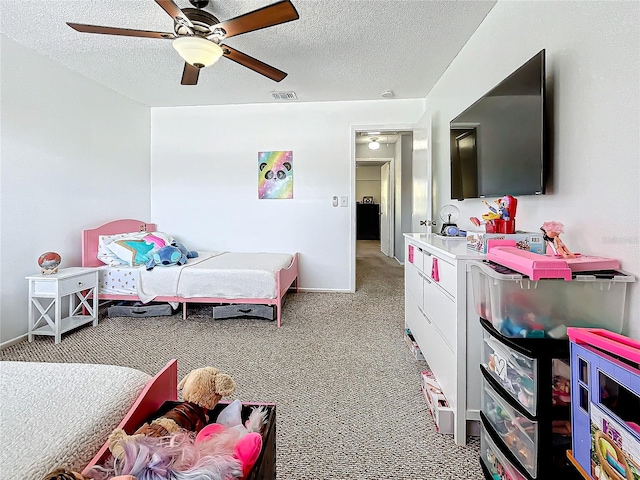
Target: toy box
<point>529,241</point>
<point>605,401</point>
<point>439,408</point>
<point>413,345</point>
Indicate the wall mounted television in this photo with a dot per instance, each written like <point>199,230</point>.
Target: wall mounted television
<point>499,144</point>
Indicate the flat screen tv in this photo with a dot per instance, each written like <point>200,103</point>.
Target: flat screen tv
<point>499,144</point>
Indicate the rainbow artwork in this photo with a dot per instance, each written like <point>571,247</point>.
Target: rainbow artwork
<point>275,174</point>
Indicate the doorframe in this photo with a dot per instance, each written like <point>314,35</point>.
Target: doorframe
<point>352,194</point>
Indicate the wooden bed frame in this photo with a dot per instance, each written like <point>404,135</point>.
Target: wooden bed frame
<point>285,277</point>
<point>163,388</point>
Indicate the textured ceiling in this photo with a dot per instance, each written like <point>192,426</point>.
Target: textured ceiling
<point>337,50</point>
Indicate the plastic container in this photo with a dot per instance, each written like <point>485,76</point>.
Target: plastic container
<point>519,307</point>
<point>495,463</point>
<point>518,433</point>
<point>514,371</point>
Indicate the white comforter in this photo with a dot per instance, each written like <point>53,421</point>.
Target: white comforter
<point>60,414</point>
<point>228,275</point>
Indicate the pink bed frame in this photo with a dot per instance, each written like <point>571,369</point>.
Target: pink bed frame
<point>285,277</point>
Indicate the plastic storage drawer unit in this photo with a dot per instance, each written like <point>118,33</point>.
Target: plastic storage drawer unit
<point>520,307</point>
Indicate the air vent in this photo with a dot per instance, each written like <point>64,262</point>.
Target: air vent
<point>284,95</point>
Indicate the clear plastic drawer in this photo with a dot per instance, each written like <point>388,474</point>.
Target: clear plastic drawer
<point>519,434</point>
<point>515,372</point>
<point>495,461</point>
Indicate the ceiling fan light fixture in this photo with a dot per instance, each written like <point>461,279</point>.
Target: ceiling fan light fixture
<point>197,51</point>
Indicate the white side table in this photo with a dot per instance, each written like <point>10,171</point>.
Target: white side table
<point>46,293</point>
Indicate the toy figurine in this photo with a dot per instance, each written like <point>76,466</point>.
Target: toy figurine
<point>551,233</point>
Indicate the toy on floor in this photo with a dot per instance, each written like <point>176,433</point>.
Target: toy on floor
<point>551,233</point>
<point>202,389</point>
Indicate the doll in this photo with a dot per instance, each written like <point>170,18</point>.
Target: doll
<point>551,233</point>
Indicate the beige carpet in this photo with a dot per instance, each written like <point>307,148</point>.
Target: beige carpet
<point>347,389</point>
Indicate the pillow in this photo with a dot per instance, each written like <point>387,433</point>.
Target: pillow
<point>106,256</point>
<point>132,251</point>
<point>122,255</point>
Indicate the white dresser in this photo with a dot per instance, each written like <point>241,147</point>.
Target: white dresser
<point>439,312</point>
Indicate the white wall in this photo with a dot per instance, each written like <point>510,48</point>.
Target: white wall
<point>593,76</point>
<point>204,170</point>
<point>74,155</point>
<point>368,182</point>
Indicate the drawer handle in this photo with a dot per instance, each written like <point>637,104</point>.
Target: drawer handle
<point>245,310</point>
<point>424,315</point>
<point>79,284</point>
<point>435,273</point>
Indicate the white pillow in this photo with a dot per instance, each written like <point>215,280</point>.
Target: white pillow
<point>106,256</point>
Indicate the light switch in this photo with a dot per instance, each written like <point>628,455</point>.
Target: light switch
<point>344,201</point>
<point>334,201</point>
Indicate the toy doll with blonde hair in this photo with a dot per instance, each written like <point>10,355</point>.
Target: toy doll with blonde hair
<point>551,232</point>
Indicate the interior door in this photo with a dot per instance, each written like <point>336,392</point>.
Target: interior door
<point>422,195</point>
<point>385,226</point>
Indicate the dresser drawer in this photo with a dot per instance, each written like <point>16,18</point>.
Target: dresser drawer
<point>413,282</point>
<point>441,310</point>
<point>441,272</point>
<point>77,283</point>
<point>517,432</point>
<point>513,371</point>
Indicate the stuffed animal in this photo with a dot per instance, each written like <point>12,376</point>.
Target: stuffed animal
<point>174,254</point>
<point>202,389</point>
<point>183,249</point>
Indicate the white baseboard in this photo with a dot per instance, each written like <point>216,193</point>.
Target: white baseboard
<point>13,341</point>
<point>326,290</point>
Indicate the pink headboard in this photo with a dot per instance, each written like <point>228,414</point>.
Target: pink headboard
<point>90,237</point>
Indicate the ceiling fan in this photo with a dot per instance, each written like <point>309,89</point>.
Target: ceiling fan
<point>199,37</point>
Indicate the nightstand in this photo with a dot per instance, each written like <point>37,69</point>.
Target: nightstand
<point>75,285</point>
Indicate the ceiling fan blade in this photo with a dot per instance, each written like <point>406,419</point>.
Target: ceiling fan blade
<point>174,11</point>
<point>254,64</point>
<point>190,74</point>
<point>127,32</point>
<point>268,16</point>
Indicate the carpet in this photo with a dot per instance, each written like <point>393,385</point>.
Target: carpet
<point>347,388</point>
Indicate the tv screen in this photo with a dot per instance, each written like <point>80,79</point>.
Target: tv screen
<point>498,144</point>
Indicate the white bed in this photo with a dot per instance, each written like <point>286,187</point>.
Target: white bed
<point>60,414</point>
<point>213,277</point>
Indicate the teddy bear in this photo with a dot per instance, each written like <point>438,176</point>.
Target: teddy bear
<point>202,389</point>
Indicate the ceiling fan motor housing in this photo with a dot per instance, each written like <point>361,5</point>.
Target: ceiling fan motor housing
<point>199,3</point>
<point>201,21</point>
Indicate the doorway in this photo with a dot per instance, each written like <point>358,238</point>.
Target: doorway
<point>378,160</point>
<point>402,155</point>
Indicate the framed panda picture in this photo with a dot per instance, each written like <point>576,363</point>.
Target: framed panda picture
<point>275,174</point>
<point>367,199</point>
